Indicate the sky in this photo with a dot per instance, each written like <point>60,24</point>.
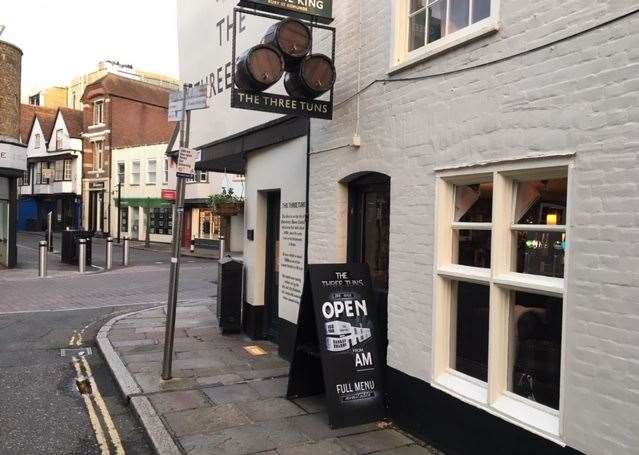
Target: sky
<point>62,39</point>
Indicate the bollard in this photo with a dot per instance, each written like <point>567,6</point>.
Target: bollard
<point>109,253</point>
<point>125,252</point>
<point>82,255</point>
<point>221,246</point>
<point>42,269</point>
<point>192,245</point>
<point>50,231</point>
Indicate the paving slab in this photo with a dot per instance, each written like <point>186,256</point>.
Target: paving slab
<point>223,400</point>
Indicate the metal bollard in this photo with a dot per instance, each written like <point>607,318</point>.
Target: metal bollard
<point>192,245</point>
<point>82,255</point>
<point>109,253</point>
<point>125,252</point>
<point>221,246</point>
<point>42,268</point>
<point>50,231</point>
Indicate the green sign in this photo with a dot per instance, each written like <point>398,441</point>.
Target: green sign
<point>317,8</point>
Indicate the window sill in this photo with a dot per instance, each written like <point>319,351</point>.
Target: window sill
<point>470,33</point>
<point>96,126</point>
<point>535,418</point>
<point>464,387</point>
<point>526,282</point>
<point>465,273</point>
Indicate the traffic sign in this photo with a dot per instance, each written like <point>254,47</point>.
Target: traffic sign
<point>168,195</point>
<point>186,163</point>
<point>196,98</point>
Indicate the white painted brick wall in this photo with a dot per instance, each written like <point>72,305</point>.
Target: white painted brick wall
<point>580,95</point>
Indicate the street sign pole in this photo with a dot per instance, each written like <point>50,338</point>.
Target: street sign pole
<point>175,259</point>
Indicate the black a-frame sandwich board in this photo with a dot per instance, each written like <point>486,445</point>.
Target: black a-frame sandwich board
<point>337,346</point>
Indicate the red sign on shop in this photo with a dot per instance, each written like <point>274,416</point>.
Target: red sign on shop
<point>168,195</point>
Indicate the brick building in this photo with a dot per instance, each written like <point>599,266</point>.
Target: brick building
<point>496,188</point>
<point>118,113</point>
<point>13,158</point>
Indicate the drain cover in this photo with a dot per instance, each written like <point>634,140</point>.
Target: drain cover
<point>80,352</point>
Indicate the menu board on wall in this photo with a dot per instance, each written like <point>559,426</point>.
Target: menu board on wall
<point>292,234</point>
<point>337,340</point>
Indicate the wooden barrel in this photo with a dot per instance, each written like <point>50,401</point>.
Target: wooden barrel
<point>292,38</point>
<point>258,68</point>
<point>314,76</point>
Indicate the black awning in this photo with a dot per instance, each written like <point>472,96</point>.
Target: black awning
<point>229,154</point>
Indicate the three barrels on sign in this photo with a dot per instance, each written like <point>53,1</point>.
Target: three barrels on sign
<point>286,47</point>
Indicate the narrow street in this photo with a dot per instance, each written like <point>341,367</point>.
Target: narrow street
<point>41,408</point>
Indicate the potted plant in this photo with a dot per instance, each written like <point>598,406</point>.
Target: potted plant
<point>226,203</point>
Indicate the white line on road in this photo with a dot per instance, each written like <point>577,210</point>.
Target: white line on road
<point>157,302</point>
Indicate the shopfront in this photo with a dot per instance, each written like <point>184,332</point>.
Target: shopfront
<point>13,163</point>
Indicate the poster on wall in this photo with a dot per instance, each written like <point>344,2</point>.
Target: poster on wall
<point>292,235</point>
<point>337,345</point>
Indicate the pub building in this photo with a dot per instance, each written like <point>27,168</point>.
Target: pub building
<point>484,166</point>
<point>13,155</point>
<point>269,150</point>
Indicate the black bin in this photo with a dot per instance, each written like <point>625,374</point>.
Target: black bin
<point>229,294</point>
<point>70,246</point>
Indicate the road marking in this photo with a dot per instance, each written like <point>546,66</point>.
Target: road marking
<point>106,416</point>
<point>188,302</point>
<point>95,422</point>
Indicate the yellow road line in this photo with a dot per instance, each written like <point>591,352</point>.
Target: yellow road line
<point>97,396</point>
<point>95,422</point>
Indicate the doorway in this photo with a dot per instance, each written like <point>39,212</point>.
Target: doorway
<point>96,211</point>
<point>272,269</point>
<point>369,239</point>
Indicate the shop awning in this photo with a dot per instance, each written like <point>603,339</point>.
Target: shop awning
<point>13,157</point>
<point>229,154</point>
<point>143,202</point>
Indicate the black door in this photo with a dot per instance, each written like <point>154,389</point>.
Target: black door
<point>93,211</point>
<point>272,281</point>
<point>368,238</point>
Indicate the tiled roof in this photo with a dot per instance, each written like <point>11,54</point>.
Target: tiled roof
<point>46,117</point>
<point>125,87</point>
<point>73,120</point>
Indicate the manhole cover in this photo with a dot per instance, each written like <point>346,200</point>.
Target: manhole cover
<point>80,352</point>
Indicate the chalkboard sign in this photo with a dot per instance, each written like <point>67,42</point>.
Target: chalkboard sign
<point>337,345</point>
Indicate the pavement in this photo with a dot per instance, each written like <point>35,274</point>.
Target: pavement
<point>222,399</point>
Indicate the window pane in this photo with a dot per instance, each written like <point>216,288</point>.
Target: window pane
<point>541,202</point>
<point>536,348</point>
<point>541,253</point>
<point>458,19</point>
<point>416,31</point>
<point>481,10</point>
<point>436,21</point>
<point>416,5</point>
<point>473,247</point>
<point>471,337</point>
<point>474,203</point>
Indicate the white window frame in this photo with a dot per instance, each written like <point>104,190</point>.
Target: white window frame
<point>59,139</point>
<point>37,141</point>
<point>402,58</point>
<point>166,171</point>
<point>98,156</point>
<point>121,176</point>
<point>135,176</point>
<point>494,396</point>
<point>68,170</point>
<point>202,176</point>
<point>98,112</point>
<point>58,170</point>
<point>151,176</point>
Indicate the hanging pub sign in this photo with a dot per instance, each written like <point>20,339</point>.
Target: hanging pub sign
<point>319,10</point>
<point>285,53</point>
<point>337,344</point>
